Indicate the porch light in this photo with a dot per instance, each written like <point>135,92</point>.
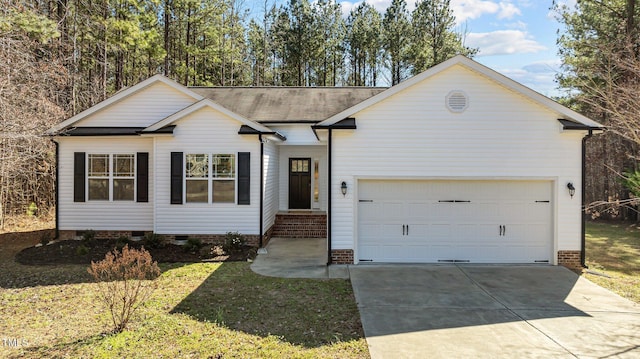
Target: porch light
<point>572,190</point>
<point>343,188</point>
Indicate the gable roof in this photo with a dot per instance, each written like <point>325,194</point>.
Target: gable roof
<point>120,96</point>
<point>474,66</point>
<point>202,104</point>
<point>287,104</point>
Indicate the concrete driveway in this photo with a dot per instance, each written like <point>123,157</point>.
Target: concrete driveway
<point>449,311</point>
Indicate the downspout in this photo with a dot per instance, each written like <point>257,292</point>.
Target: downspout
<point>583,200</point>
<point>57,186</point>
<point>329,198</point>
<point>261,189</point>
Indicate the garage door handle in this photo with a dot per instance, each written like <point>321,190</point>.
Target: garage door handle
<point>407,229</point>
<point>403,229</point>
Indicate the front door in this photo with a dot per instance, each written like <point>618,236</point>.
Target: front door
<point>299,183</point>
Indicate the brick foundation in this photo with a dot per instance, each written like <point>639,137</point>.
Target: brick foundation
<point>252,239</point>
<point>570,259</point>
<point>64,235</point>
<point>342,256</point>
<point>266,237</point>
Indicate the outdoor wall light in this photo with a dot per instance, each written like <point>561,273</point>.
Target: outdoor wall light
<point>572,190</point>
<point>343,188</point>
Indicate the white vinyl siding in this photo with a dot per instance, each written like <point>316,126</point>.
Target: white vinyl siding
<point>271,183</point>
<point>141,109</point>
<point>313,152</point>
<point>413,135</point>
<point>102,215</point>
<point>206,131</point>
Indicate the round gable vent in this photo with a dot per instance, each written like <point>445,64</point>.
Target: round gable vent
<point>457,101</point>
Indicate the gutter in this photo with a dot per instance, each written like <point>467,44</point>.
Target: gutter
<point>329,185</point>
<point>583,200</point>
<point>261,234</point>
<point>57,192</point>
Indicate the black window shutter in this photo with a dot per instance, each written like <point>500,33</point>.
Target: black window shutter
<point>244,177</point>
<point>79,174</point>
<point>176,177</point>
<point>142,177</point>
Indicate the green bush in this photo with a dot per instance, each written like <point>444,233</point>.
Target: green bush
<point>154,240</point>
<point>121,242</point>
<point>32,210</point>
<point>233,242</point>
<point>82,250</point>
<point>631,180</point>
<point>89,237</point>
<point>193,245</point>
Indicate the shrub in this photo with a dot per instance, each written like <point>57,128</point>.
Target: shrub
<point>193,245</point>
<point>89,237</point>
<point>82,250</point>
<point>154,240</point>
<point>233,242</point>
<point>121,242</point>
<point>125,281</point>
<point>32,210</point>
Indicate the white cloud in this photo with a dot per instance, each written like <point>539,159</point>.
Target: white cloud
<point>539,76</point>
<point>503,42</point>
<point>508,10</point>
<point>380,5</point>
<point>520,25</point>
<point>472,9</point>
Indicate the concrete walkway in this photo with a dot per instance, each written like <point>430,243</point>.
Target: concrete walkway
<point>297,258</point>
<point>432,311</point>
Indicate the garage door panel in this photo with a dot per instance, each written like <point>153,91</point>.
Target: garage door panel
<point>479,221</point>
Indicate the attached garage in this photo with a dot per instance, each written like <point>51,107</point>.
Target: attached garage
<point>438,221</point>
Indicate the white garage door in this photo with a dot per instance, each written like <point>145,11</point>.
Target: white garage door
<point>454,221</point>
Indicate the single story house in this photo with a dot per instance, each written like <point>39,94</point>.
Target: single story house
<point>456,164</point>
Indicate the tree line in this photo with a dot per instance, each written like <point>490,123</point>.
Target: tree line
<point>59,57</point>
<point>600,53</point>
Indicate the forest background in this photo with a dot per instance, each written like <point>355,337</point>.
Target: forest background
<point>59,57</point>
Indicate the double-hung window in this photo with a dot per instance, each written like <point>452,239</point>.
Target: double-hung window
<point>197,177</point>
<point>210,178</point>
<point>111,177</point>
<point>123,177</point>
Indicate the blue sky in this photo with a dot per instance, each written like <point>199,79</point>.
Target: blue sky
<point>515,37</point>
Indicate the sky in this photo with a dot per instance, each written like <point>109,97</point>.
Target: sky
<point>515,37</point>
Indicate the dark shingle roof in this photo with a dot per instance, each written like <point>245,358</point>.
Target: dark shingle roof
<point>287,104</point>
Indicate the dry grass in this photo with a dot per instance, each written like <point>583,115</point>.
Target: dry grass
<point>200,310</point>
<point>613,250</point>
<point>25,223</point>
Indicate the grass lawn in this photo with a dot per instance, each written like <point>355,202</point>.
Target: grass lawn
<point>210,310</point>
<point>614,251</point>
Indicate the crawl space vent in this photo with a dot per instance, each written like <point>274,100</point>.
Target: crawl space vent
<point>457,101</point>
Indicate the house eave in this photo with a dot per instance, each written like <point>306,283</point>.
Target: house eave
<point>99,131</point>
<point>568,125</point>
<point>248,130</point>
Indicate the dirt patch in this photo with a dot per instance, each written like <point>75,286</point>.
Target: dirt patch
<point>83,252</point>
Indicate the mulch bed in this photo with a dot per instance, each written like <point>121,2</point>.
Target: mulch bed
<point>82,252</point>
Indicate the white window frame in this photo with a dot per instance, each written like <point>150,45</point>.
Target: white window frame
<point>111,176</point>
<point>211,178</point>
